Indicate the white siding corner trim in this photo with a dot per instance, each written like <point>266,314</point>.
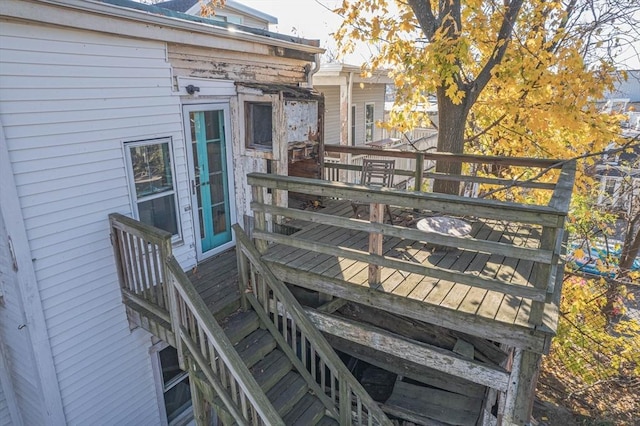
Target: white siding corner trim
<point>32,303</point>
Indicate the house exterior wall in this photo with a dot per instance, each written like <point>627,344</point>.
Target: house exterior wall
<point>70,99</point>
<point>360,96</point>
<point>368,93</point>
<point>17,367</point>
<point>5,419</point>
<point>331,113</point>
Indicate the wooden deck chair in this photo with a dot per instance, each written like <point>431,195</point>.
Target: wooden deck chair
<point>376,173</point>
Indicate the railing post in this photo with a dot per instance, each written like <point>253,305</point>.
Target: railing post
<point>243,275</point>
<point>376,215</point>
<point>260,220</point>
<point>345,402</point>
<point>117,247</point>
<point>174,309</point>
<point>543,271</point>
<point>419,172</point>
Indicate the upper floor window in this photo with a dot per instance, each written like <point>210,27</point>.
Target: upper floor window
<point>259,125</point>
<point>369,122</point>
<point>152,183</point>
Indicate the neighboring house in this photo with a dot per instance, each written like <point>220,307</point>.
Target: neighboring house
<point>353,103</point>
<point>619,176</point>
<point>116,106</point>
<point>619,173</point>
<point>232,12</point>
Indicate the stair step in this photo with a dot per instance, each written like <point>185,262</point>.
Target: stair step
<point>255,346</point>
<point>307,411</point>
<point>269,370</point>
<point>328,421</point>
<point>287,392</point>
<point>240,325</point>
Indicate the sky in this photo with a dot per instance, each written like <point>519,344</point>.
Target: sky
<point>313,19</point>
<point>309,19</point>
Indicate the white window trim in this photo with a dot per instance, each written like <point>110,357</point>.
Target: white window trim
<point>132,186</point>
<point>154,352</point>
<point>372,123</point>
<point>258,151</point>
<point>353,130</point>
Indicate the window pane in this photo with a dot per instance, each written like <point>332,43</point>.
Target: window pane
<point>177,399</point>
<point>368,113</point>
<point>151,169</point>
<point>259,124</point>
<point>169,363</point>
<point>159,212</point>
<point>212,125</point>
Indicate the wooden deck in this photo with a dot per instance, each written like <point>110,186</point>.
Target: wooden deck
<point>468,306</point>
<point>216,280</point>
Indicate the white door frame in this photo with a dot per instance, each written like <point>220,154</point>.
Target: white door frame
<point>208,106</point>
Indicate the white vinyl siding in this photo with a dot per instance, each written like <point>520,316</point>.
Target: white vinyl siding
<point>331,113</point>
<point>70,99</point>
<point>15,346</point>
<point>5,418</point>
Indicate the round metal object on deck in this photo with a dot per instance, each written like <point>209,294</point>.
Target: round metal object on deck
<point>444,225</point>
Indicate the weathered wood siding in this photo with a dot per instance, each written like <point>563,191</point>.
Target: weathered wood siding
<point>189,61</point>
<point>361,96</point>
<point>15,349</point>
<point>331,113</point>
<point>70,99</point>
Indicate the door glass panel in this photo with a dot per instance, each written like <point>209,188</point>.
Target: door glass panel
<point>217,189</point>
<point>219,222</point>
<point>215,157</point>
<point>212,125</point>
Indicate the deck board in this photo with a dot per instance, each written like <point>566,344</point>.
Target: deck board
<point>463,298</point>
<point>216,280</point>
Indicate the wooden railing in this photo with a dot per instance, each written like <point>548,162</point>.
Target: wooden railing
<point>153,281</point>
<point>300,339</point>
<point>548,219</point>
<point>425,162</point>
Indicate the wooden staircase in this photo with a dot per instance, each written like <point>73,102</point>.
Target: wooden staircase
<point>265,364</point>
<point>285,388</point>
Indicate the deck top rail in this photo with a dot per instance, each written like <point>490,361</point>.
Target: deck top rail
<point>534,173</point>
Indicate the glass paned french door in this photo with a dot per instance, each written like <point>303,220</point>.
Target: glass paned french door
<point>210,179</point>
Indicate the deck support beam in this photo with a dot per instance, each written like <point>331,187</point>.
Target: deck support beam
<point>518,402</point>
<point>416,352</point>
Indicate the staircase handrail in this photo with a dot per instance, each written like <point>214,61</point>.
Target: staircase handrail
<point>201,333</point>
<point>292,309</point>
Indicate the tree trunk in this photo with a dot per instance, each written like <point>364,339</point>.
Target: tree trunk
<point>631,246</point>
<point>451,124</point>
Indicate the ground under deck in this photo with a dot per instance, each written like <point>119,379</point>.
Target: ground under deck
<point>484,305</point>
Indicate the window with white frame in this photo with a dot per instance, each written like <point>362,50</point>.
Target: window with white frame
<point>369,122</point>
<point>152,183</point>
<point>173,388</point>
